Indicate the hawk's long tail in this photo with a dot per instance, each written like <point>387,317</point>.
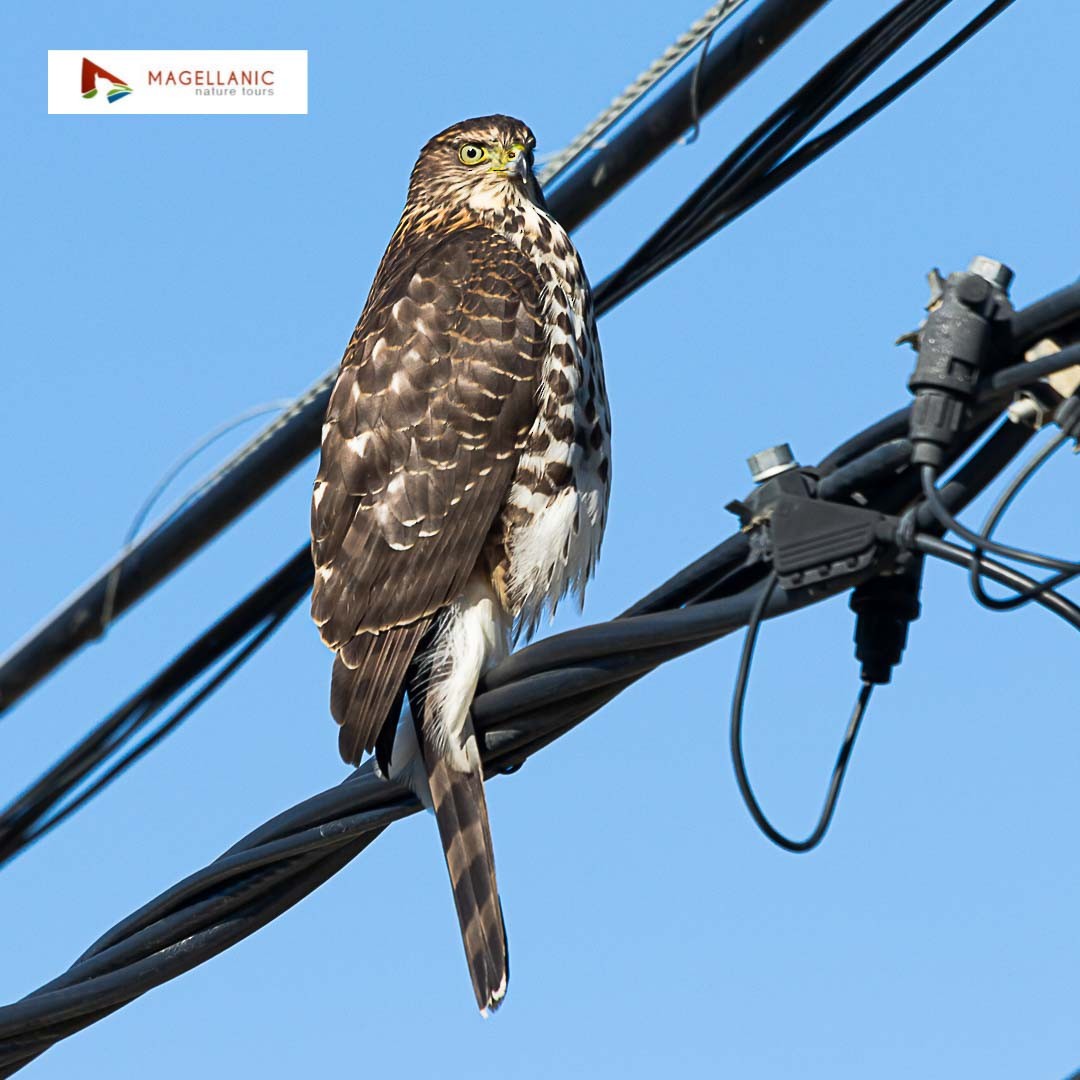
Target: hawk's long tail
<point>461,812</point>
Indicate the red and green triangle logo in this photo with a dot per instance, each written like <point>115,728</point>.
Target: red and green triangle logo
<point>90,72</point>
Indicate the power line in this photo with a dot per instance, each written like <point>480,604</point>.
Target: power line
<point>771,155</point>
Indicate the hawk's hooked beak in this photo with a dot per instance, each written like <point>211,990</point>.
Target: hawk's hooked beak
<point>512,162</point>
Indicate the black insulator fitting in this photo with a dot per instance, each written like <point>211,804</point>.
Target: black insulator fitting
<point>885,606</point>
<point>956,344</point>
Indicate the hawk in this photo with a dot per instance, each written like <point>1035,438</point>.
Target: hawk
<point>463,486</point>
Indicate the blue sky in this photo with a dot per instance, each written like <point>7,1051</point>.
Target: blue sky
<point>166,273</point>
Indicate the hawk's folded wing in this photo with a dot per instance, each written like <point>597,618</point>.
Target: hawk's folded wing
<point>434,401</point>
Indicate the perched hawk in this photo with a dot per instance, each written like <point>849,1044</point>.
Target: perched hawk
<point>463,486</point>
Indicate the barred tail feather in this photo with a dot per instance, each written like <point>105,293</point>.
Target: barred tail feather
<point>461,813</point>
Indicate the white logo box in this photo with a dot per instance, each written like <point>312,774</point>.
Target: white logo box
<point>179,82</point>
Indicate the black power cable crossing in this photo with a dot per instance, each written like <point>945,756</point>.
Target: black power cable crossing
<point>59,791</point>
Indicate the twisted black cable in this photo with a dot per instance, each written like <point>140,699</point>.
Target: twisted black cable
<point>529,702</point>
<point>738,757</point>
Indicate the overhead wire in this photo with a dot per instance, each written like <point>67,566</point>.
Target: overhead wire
<point>767,158</point>
<point>537,695</point>
<point>1013,579</point>
<point>162,485</point>
<point>251,621</point>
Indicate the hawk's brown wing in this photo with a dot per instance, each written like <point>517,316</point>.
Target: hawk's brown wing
<point>436,395</point>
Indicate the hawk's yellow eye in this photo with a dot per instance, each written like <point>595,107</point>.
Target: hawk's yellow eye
<point>471,154</point>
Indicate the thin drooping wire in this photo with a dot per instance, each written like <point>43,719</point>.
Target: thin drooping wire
<point>768,158</point>
<point>993,519</point>
<point>153,739</point>
<point>251,621</point>
<point>699,31</point>
<point>159,489</point>
<point>738,758</point>
<point>928,478</point>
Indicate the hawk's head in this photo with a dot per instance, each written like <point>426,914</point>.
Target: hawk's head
<point>482,165</point>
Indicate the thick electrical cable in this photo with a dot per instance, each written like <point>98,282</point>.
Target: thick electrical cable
<point>1016,376</point>
<point>1042,318</point>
